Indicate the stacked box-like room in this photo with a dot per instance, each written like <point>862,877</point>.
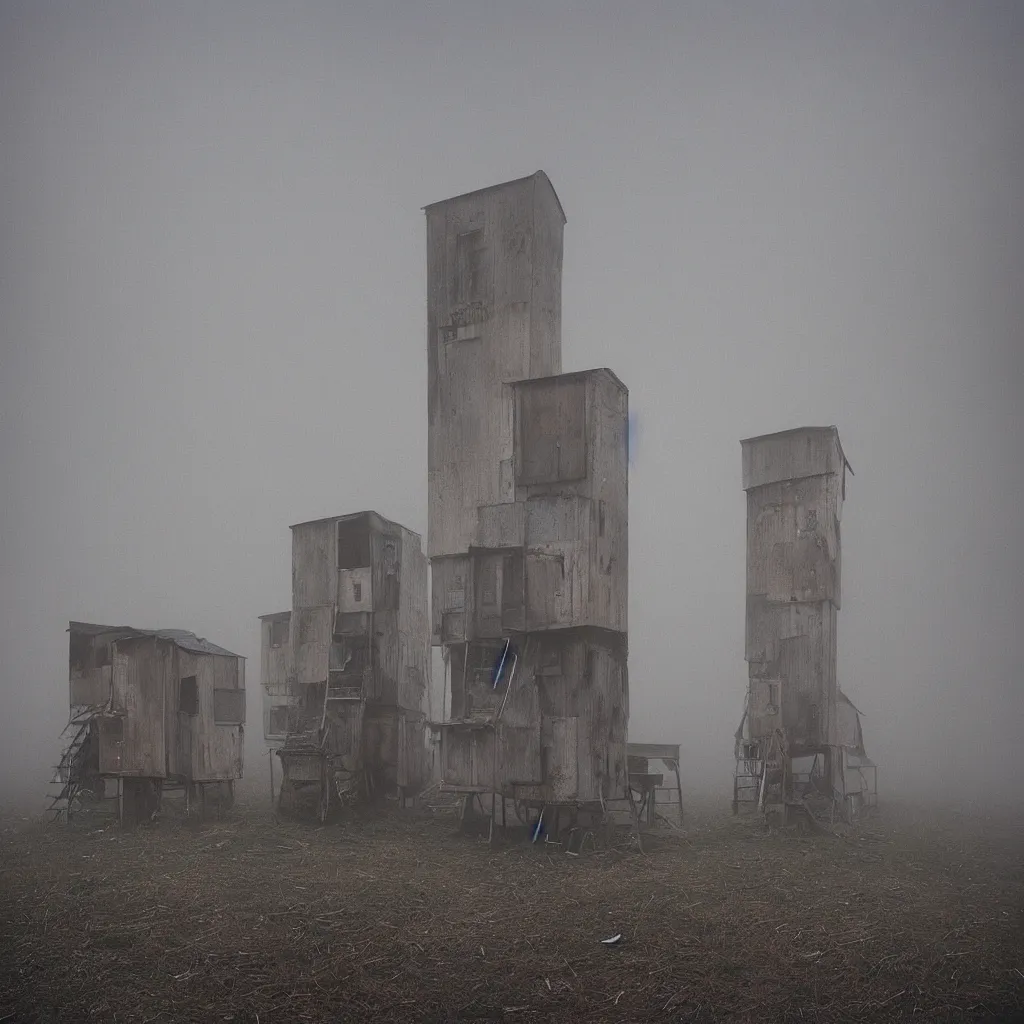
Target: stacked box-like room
<point>349,717</point>
<point>527,526</point>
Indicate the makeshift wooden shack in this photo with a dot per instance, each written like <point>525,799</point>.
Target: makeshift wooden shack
<point>527,525</point>
<point>795,482</point>
<point>856,774</point>
<point>352,701</point>
<point>151,709</point>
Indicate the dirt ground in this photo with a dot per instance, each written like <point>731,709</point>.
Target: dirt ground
<point>399,918</point>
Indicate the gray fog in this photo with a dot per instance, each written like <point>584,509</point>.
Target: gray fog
<point>213,323</point>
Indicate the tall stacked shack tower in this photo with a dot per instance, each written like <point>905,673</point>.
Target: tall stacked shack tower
<point>527,524</point>
<point>790,743</point>
<point>344,702</point>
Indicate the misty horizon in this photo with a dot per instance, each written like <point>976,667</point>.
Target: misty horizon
<point>213,285</point>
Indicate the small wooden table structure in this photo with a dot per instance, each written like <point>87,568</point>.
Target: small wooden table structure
<point>646,784</point>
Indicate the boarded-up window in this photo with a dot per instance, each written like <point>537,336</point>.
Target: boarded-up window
<point>188,696</point>
<point>552,432</point>
<point>488,584</point>
<point>353,544</point>
<point>279,632</point>
<point>545,580</point>
<point>470,284</point>
<point>386,581</point>
<point>512,591</point>
<point>309,625</point>
<point>112,729</point>
<point>453,627</point>
<point>229,707</point>
<point>488,611</point>
<point>278,725</point>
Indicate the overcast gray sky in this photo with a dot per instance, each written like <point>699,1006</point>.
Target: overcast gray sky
<point>213,317</point>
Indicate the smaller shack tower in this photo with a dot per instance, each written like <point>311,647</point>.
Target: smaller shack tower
<point>345,671</point>
<point>790,743</point>
<point>152,710</point>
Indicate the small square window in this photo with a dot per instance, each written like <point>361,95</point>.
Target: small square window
<point>188,696</point>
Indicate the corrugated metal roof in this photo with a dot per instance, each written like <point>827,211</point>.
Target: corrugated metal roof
<point>180,637</point>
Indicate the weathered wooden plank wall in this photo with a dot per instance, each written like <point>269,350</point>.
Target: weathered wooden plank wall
<point>795,484</point>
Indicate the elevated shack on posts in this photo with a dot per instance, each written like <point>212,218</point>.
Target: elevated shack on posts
<point>790,749</point>
<point>151,709</point>
<point>345,694</point>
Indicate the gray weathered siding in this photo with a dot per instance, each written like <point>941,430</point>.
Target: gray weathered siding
<point>496,321</point>
<point>795,483</point>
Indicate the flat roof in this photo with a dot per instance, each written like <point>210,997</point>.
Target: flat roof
<point>571,374</point>
<point>803,430</point>
<point>504,184</point>
<point>275,615</point>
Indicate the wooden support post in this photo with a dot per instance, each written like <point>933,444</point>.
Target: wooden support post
<point>271,752</point>
<point>679,790</point>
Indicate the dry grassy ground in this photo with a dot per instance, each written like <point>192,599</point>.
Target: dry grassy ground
<point>398,918</point>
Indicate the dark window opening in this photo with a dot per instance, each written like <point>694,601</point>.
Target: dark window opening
<point>278,725</point>
<point>357,592</point>
<point>79,651</point>
<point>112,729</point>
<point>188,696</point>
<point>102,655</point>
<point>279,633</point>
<point>353,545</point>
